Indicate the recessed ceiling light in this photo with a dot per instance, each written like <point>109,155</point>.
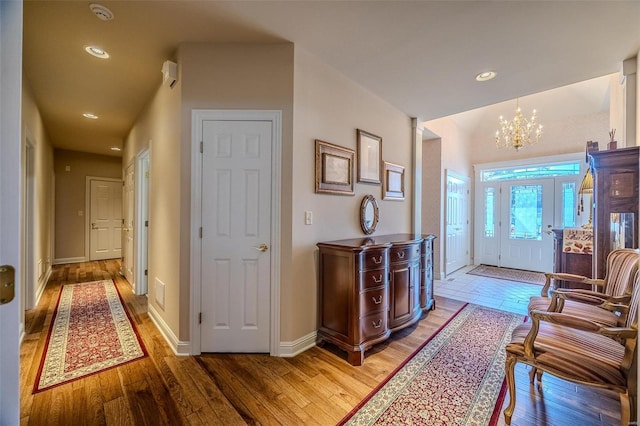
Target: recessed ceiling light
<point>97,52</point>
<point>486,76</point>
<point>115,148</point>
<point>90,115</point>
<point>101,12</point>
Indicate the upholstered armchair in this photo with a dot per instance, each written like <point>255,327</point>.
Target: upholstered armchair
<point>581,351</point>
<point>595,305</point>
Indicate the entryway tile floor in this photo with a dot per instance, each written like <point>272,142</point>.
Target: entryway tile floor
<point>510,296</point>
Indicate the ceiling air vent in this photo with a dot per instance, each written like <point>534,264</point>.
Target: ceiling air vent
<point>101,12</point>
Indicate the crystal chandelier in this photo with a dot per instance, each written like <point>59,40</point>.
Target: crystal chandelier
<point>518,132</point>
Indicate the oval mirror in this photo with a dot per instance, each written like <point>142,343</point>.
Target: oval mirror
<point>368,214</point>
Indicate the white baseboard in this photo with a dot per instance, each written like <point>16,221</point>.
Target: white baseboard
<point>291,349</point>
<point>41,285</point>
<point>180,348</point>
<point>69,260</point>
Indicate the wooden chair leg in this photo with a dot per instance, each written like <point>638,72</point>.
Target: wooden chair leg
<point>535,373</point>
<point>625,411</point>
<point>509,369</point>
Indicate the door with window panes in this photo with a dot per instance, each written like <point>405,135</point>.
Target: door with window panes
<point>515,213</point>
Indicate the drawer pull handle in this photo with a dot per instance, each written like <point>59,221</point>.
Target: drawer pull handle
<point>377,262</point>
<point>378,301</point>
<point>401,254</point>
<point>379,280</point>
<point>377,324</point>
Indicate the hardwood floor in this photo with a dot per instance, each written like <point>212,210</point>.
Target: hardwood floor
<point>317,387</point>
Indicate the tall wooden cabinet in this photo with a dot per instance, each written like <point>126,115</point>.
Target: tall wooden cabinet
<point>370,287</point>
<point>615,203</point>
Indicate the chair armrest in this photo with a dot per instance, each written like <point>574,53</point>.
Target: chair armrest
<point>620,308</point>
<point>560,276</point>
<point>583,296</point>
<point>573,322</point>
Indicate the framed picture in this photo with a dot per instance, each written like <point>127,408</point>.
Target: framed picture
<point>334,169</point>
<point>392,182</point>
<point>369,157</point>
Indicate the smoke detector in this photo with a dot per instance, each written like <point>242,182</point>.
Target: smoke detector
<point>101,12</point>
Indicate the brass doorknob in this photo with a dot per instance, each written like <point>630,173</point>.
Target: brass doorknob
<point>262,247</point>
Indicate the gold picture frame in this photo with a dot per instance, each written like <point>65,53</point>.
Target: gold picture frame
<point>334,169</point>
<point>369,157</point>
<point>392,181</point>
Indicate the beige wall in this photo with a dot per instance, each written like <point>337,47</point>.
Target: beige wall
<point>327,106</point>
<point>70,188</point>
<point>158,128</point>
<point>36,136</point>
<point>432,196</point>
<point>234,76</point>
<point>330,107</point>
<point>559,137</point>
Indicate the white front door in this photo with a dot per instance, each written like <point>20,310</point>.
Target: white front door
<point>457,225</point>
<point>129,227</point>
<point>236,235</point>
<point>527,213</point>
<point>105,219</point>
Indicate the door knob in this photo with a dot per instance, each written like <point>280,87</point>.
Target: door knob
<point>93,226</point>
<point>262,247</point>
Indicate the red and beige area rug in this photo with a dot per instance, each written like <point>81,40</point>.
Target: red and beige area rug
<point>90,331</point>
<point>455,378</point>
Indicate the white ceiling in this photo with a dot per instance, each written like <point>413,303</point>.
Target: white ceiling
<point>421,56</point>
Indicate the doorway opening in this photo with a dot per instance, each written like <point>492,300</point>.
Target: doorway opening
<point>517,206</point>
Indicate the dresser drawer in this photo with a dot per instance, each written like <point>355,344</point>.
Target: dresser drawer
<point>404,253</point>
<point>373,325</point>
<point>375,259</point>
<point>373,278</point>
<point>373,300</point>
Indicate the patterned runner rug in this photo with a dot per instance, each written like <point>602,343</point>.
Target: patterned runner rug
<point>90,331</point>
<point>530,277</point>
<point>455,378</point>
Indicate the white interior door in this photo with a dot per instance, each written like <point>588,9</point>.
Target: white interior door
<point>128,230</point>
<point>236,235</point>
<point>527,213</point>
<point>10,209</point>
<point>105,219</point>
<point>457,225</point>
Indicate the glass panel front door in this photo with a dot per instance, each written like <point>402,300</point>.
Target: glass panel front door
<point>526,240</point>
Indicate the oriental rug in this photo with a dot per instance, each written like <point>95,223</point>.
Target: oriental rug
<point>509,274</point>
<point>455,378</point>
<point>90,331</point>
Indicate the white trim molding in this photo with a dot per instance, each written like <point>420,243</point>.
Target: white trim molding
<point>291,349</point>
<point>179,347</point>
<point>63,260</point>
<point>197,117</point>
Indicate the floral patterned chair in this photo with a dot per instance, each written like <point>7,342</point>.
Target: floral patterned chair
<point>598,306</point>
<point>581,351</point>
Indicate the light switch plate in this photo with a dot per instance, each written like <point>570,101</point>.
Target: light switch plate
<point>308,218</point>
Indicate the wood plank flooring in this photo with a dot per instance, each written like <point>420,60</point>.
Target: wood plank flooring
<point>317,387</point>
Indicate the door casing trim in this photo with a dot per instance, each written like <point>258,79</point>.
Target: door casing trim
<point>197,117</point>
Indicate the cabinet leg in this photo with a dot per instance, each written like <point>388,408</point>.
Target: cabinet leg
<point>355,358</point>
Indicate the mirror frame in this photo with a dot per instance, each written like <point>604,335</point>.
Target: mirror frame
<point>369,199</point>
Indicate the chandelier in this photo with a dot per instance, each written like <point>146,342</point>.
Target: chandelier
<point>518,132</point>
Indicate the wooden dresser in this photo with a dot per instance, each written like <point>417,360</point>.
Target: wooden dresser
<point>370,287</point>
